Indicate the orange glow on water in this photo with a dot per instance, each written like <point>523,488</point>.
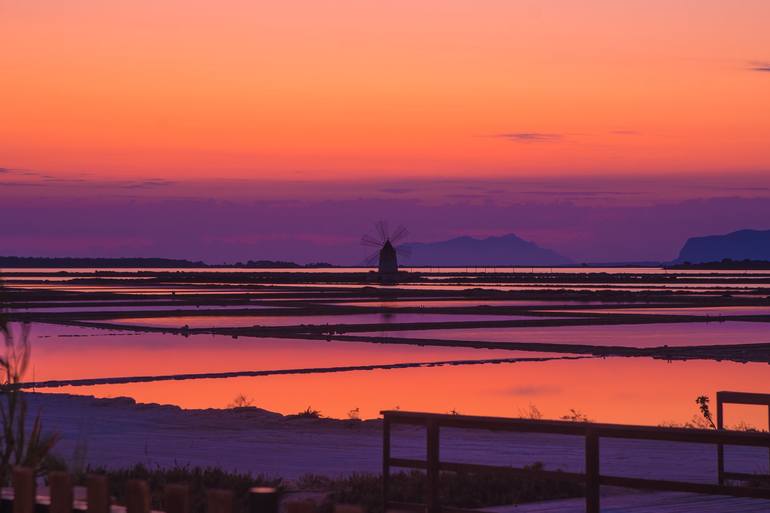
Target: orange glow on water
<point>610,390</point>
<point>626,390</point>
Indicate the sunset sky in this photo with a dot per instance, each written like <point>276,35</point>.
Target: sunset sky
<point>143,110</point>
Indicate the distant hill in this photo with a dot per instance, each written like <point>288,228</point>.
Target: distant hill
<point>740,245</point>
<point>503,250</point>
<point>13,262</point>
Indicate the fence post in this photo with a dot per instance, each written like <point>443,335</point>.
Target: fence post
<point>592,471</point>
<point>97,494</point>
<point>720,446</point>
<point>263,499</point>
<point>177,498</point>
<point>219,501</point>
<point>300,507</point>
<point>60,485</point>
<point>23,490</point>
<point>348,508</point>
<point>137,496</point>
<point>385,462</point>
<point>431,499</point>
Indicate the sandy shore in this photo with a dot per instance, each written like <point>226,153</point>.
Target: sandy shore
<point>119,432</point>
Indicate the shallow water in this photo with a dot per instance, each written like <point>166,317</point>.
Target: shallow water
<point>622,390</point>
<point>704,311</point>
<point>293,320</point>
<point>634,390</point>
<point>61,353</point>
<point>632,335</point>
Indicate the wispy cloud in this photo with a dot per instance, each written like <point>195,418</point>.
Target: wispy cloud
<point>530,136</point>
<point>397,190</point>
<point>624,132</point>
<point>534,390</point>
<point>762,67</point>
<point>147,184</point>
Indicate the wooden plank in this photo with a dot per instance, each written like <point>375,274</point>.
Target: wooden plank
<point>97,494</point>
<point>592,472</point>
<point>137,496</point>
<point>632,432</point>
<point>177,498</point>
<point>348,508</point>
<point>219,501</point>
<point>60,486</point>
<point>679,486</point>
<point>23,480</point>
<point>263,499</point>
<point>385,461</point>
<point>299,507</point>
<point>743,398</point>
<point>432,459</point>
<point>661,502</point>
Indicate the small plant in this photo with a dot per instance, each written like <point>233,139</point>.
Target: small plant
<point>18,445</point>
<point>696,422</point>
<point>703,404</point>
<point>745,426</point>
<point>575,416</point>
<point>532,412</point>
<point>308,413</point>
<point>241,401</point>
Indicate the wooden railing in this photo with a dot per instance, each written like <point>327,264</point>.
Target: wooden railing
<point>592,434</point>
<point>726,397</point>
<point>23,498</point>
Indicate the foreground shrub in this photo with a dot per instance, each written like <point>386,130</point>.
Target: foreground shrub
<point>461,490</point>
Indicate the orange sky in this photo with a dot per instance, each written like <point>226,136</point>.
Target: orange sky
<point>300,88</point>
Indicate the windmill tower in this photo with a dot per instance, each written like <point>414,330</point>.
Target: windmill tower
<point>388,250</point>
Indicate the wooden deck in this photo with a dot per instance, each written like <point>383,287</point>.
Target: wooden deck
<point>658,502</point>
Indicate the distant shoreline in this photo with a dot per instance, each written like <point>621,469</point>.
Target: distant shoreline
<point>13,262</point>
<point>17,262</point>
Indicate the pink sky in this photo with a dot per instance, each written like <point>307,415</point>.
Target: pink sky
<point>238,129</point>
<point>401,89</point>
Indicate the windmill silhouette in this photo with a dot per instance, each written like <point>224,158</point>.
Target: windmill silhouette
<point>388,249</point>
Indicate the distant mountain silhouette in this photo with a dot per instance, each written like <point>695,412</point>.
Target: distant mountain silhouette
<point>504,250</point>
<point>740,245</point>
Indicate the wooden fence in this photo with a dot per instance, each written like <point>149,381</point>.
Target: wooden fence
<point>726,397</point>
<point>23,498</point>
<point>591,432</point>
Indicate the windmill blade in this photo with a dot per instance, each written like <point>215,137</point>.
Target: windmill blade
<point>404,250</point>
<point>368,240</point>
<point>382,230</point>
<point>399,234</point>
<point>372,259</point>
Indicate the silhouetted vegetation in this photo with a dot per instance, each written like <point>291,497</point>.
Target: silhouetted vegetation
<point>703,404</point>
<point>241,401</point>
<point>464,490</point>
<point>460,490</point>
<point>19,443</point>
<point>307,413</point>
<point>197,478</point>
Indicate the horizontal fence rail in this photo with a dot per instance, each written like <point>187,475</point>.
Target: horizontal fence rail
<point>591,432</point>
<point>745,398</point>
